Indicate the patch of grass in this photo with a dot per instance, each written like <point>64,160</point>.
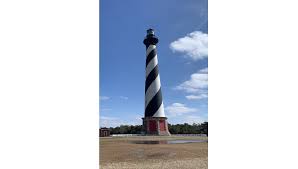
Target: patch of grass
<point>195,163</point>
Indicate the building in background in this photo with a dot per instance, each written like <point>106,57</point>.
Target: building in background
<point>104,132</point>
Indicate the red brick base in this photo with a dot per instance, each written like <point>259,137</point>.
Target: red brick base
<point>156,126</point>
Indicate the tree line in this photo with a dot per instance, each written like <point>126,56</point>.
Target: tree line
<point>195,128</point>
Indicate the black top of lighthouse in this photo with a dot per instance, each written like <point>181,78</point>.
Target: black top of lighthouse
<point>150,39</point>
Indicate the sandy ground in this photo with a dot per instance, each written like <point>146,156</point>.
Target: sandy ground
<point>120,153</point>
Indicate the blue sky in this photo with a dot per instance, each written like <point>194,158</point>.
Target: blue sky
<point>182,29</point>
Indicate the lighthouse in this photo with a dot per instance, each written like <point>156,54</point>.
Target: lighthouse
<point>154,121</point>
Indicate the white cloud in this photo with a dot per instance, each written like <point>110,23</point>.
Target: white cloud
<point>104,98</point>
<point>106,121</point>
<point>123,97</point>
<point>107,118</point>
<point>190,119</point>
<point>194,45</point>
<point>198,82</point>
<point>177,109</point>
<point>205,70</point>
<point>109,121</point>
<point>193,119</point>
<point>197,97</point>
<point>105,109</point>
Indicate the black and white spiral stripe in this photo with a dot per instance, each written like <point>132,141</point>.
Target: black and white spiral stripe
<point>153,97</point>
